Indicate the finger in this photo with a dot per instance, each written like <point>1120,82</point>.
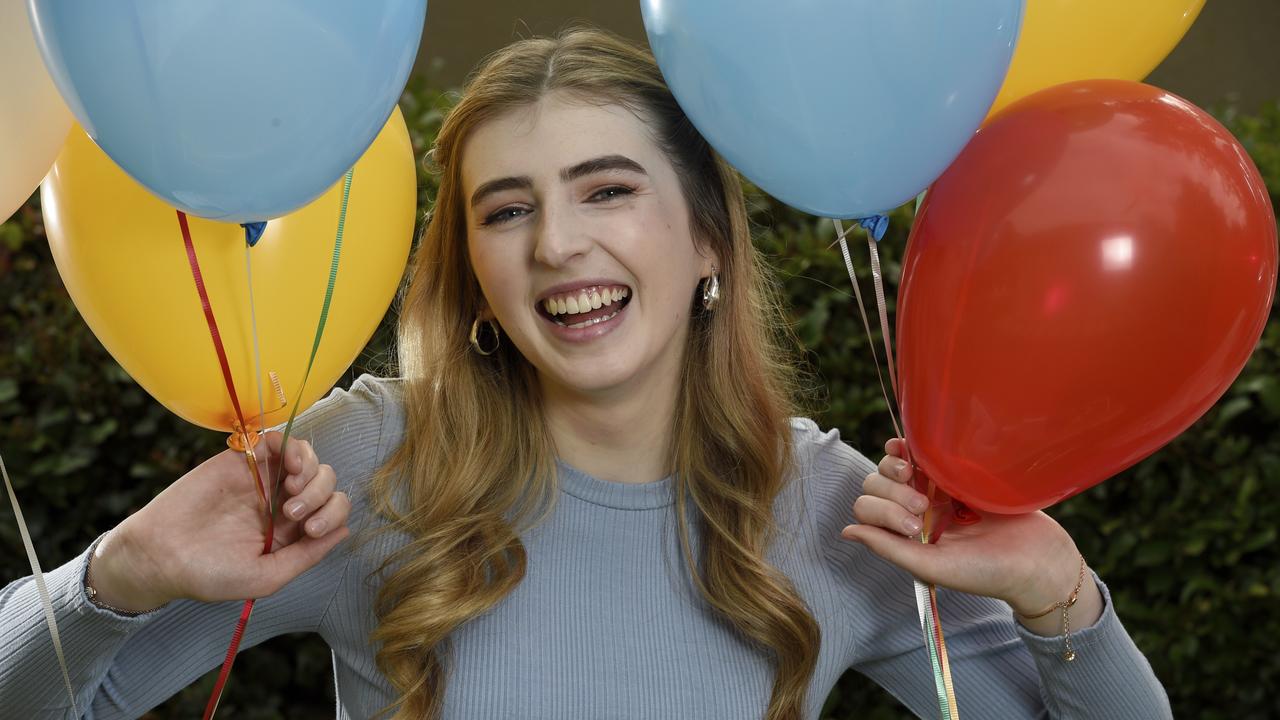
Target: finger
<point>906,496</point>
<point>872,510</point>
<point>299,457</point>
<point>923,561</point>
<point>895,469</point>
<point>272,441</point>
<point>312,495</point>
<point>329,517</point>
<point>297,481</point>
<point>275,569</point>
<point>896,447</point>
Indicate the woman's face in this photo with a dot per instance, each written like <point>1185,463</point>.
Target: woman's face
<point>580,237</point>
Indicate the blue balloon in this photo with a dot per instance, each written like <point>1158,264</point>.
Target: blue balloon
<point>841,108</point>
<point>234,110</point>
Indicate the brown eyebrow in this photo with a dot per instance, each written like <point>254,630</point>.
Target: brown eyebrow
<point>586,167</point>
<point>496,186</point>
<point>605,162</point>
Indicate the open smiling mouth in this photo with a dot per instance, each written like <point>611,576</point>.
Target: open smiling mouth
<point>586,306</point>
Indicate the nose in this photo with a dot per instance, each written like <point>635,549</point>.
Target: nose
<point>561,237</point>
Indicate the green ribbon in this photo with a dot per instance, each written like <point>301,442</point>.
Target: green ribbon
<point>324,309</point>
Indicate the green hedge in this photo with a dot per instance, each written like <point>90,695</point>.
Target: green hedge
<point>1186,539</point>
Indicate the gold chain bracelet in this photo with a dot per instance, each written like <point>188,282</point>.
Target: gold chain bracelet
<point>1065,606</point>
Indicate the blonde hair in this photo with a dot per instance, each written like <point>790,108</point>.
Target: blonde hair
<point>477,462</point>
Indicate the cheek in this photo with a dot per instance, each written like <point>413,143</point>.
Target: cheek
<point>673,260</point>
<point>500,273</point>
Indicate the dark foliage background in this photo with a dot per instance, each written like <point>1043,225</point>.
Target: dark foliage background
<point>1186,540</point>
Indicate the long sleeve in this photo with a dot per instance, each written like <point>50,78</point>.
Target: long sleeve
<point>999,668</point>
<point>122,666</point>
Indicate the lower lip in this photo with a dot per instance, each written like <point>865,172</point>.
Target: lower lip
<point>588,333</point>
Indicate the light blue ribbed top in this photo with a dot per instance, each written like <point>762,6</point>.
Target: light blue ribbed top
<point>606,623</point>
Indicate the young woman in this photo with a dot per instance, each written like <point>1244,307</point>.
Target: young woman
<point>585,497</point>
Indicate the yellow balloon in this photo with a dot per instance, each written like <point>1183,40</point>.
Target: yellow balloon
<point>33,119</point>
<point>121,255</point>
<point>1067,40</point>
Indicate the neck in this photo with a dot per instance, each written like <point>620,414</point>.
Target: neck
<point>619,435</point>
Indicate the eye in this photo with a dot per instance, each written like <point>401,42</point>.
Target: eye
<point>612,192</point>
<point>510,212</point>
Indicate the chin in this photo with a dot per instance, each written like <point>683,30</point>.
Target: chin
<point>590,380</point>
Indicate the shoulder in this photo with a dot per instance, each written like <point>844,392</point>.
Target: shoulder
<point>826,476</point>
<point>355,429</point>
<point>368,395</point>
<point>823,459</point>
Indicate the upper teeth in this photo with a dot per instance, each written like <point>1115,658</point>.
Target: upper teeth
<point>584,300</point>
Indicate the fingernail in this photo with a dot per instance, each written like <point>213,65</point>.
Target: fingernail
<point>294,509</point>
<point>912,525</point>
<point>919,503</point>
<point>317,526</point>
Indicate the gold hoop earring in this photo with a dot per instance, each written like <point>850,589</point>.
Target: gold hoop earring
<point>475,340</point>
<point>711,291</point>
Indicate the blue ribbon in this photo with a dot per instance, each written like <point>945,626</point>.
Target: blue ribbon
<point>877,225</point>
<point>253,232</point>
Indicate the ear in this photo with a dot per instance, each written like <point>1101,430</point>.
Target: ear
<point>710,258</point>
<point>483,311</point>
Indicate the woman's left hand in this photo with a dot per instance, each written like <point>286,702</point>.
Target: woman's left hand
<point>1029,561</point>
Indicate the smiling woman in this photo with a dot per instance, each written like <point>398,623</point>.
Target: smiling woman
<point>612,514</point>
<point>549,229</point>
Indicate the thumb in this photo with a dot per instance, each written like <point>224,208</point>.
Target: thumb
<point>923,561</point>
<point>279,567</point>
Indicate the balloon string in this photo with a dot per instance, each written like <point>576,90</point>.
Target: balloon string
<point>208,316</point>
<point>866,324</point>
<point>247,611</point>
<point>926,594</point>
<point>241,440</point>
<point>324,308</point>
<point>926,607</point>
<point>933,521</point>
<point>257,351</point>
<point>877,278</point>
<point>45,601</point>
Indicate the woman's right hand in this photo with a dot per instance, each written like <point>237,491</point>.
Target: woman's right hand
<point>202,537</point>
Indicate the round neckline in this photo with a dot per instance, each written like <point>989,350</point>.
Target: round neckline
<point>617,495</point>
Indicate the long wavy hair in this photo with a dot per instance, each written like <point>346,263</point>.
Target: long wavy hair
<point>477,466</point>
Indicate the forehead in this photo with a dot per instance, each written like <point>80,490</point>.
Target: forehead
<point>538,140</point>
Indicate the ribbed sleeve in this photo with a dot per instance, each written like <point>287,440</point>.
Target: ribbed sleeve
<point>123,666</point>
<point>997,665</point>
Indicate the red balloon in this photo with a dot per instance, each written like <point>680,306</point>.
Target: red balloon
<point>1085,281</point>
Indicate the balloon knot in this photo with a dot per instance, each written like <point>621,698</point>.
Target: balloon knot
<point>242,440</point>
<point>253,232</point>
<point>877,225</point>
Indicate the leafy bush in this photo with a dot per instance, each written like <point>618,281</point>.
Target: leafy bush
<point>1186,539</point>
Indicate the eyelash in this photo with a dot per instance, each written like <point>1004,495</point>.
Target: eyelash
<point>501,216</point>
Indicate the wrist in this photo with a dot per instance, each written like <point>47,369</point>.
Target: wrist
<point>1055,583</point>
<point>1084,601</point>
<point>114,578</point>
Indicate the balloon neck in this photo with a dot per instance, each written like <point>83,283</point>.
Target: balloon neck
<point>241,440</point>
<point>253,232</point>
<point>875,225</point>
<point>944,511</point>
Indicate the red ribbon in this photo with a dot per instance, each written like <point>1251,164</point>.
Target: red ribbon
<point>241,440</point>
